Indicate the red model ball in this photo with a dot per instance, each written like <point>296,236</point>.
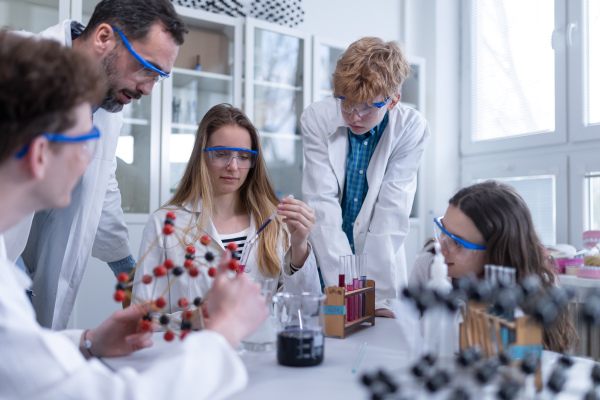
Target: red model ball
<point>212,271</point>
<point>188,263</point>
<point>145,325</point>
<point>194,272</point>
<point>232,246</point>
<point>183,302</point>
<point>169,264</point>
<point>161,270</point>
<point>171,215</point>
<point>234,265</point>
<point>205,240</point>
<point>169,335</point>
<point>120,295</point>
<point>161,302</point>
<point>168,229</point>
<point>123,277</point>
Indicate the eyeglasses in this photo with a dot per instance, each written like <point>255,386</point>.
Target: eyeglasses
<point>89,141</point>
<point>149,72</point>
<point>453,242</point>
<point>222,156</point>
<point>363,109</point>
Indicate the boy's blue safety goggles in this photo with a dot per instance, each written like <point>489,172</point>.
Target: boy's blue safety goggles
<point>452,241</point>
<point>90,140</point>
<point>363,109</point>
<point>148,71</point>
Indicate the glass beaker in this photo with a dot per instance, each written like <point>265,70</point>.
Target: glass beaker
<point>263,338</point>
<point>300,321</point>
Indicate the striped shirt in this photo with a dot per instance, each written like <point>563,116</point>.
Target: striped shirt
<point>238,238</point>
<point>360,151</point>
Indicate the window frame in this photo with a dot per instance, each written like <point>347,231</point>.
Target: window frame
<point>499,166</point>
<point>558,136</point>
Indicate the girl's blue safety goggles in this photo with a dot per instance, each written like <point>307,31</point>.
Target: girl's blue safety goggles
<point>148,71</point>
<point>90,141</point>
<point>452,241</point>
<point>222,156</point>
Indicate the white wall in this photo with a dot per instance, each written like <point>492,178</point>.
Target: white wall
<point>432,31</point>
<point>349,20</point>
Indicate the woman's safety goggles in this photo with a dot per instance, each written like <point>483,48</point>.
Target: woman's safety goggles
<point>362,109</point>
<point>452,242</point>
<point>88,141</point>
<point>222,156</point>
<point>149,71</point>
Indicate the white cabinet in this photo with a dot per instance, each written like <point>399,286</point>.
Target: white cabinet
<point>207,72</point>
<point>277,90</point>
<point>32,15</point>
<point>326,53</point>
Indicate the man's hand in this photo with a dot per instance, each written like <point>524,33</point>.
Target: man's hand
<point>235,305</point>
<point>119,335</point>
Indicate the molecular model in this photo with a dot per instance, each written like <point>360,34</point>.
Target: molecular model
<point>153,312</point>
<point>500,353</point>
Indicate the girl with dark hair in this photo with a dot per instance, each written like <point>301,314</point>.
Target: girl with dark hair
<point>489,223</point>
<point>226,193</point>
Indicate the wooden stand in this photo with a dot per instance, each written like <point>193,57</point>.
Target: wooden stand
<point>485,330</point>
<point>335,309</point>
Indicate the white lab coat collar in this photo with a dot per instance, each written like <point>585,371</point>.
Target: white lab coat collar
<point>210,228</point>
<point>338,153</point>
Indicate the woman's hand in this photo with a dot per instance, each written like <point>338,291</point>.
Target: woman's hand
<point>119,335</point>
<point>300,219</point>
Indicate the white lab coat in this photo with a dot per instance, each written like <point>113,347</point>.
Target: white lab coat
<point>37,363</point>
<point>382,223</point>
<point>304,280</point>
<point>61,240</point>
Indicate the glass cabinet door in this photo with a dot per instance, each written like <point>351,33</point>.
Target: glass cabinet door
<point>277,90</point>
<point>205,74</point>
<point>31,15</point>
<point>325,56</point>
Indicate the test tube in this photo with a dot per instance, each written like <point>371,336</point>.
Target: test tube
<point>355,283</point>
<point>363,278</point>
<point>349,287</point>
<point>359,311</point>
<point>342,272</point>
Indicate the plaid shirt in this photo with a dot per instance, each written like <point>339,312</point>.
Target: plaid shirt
<point>360,151</point>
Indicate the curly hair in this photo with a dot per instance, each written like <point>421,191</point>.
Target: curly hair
<point>135,18</point>
<point>370,67</point>
<point>41,82</point>
<point>504,220</point>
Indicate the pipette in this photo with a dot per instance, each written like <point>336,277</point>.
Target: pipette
<point>263,226</point>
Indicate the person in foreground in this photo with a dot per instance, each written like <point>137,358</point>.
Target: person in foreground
<point>46,142</point>
<point>226,193</point>
<point>362,150</point>
<point>489,223</point>
<point>134,43</point>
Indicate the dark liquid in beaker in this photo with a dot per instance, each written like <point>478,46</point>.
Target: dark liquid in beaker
<point>300,348</point>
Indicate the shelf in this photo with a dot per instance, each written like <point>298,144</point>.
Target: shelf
<point>572,280</point>
<point>358,291</point>
<point>136,121</point>
<point>275,85</point>
<point>279,135</point>
<point>187,127</point>
<point>207,81</point>
<point>368,318</point>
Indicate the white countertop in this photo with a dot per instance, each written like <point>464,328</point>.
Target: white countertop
<point>333,378</point>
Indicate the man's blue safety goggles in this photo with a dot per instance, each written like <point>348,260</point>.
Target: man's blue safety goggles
<point>149,70</point>
<point>91,137</point>
<point>441,234</point>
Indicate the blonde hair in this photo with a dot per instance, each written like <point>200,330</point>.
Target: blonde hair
<point>370,67</point>
<point>256,194</point>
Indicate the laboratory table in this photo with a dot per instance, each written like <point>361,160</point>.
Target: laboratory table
<point>334,378</point>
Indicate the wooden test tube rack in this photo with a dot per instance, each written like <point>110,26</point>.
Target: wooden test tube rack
<point>335,321</point>
<point>477,330</point>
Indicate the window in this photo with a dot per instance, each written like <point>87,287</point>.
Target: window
<point>530,66</point>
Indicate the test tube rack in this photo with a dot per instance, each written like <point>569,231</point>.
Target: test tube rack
<point>336,324</point>
<point>490,332</point>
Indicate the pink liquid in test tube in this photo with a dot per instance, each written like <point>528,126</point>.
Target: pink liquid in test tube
<point>349,287</point>
<point>342,272</point>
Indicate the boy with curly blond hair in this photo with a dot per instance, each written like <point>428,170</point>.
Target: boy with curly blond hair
<point>362,150</point>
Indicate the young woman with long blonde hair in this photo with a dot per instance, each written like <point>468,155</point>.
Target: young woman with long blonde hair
<point>226,193</point>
